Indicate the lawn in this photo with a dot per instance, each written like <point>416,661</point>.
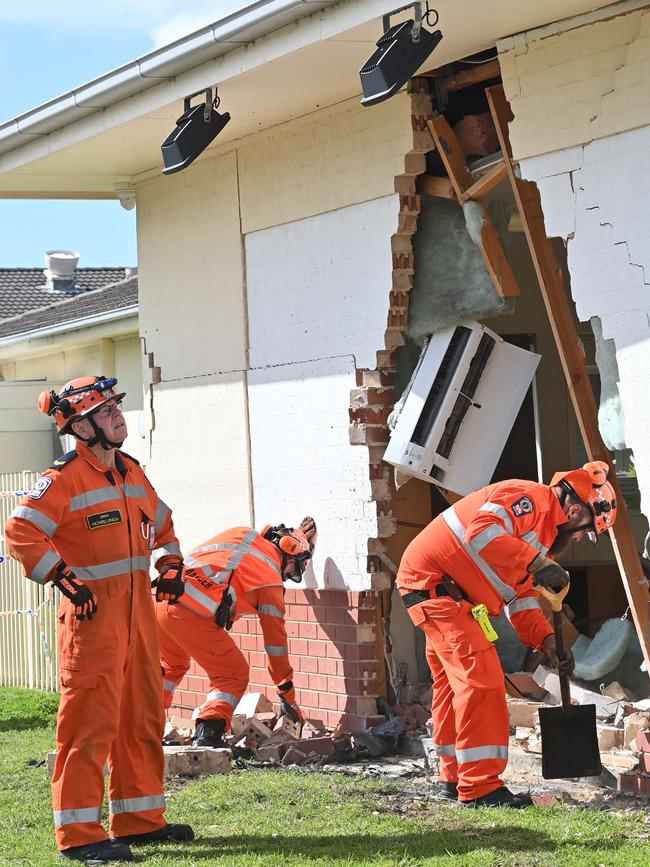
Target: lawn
<point>294,818</point>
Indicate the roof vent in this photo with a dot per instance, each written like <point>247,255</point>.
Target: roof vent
<point>60,271</point>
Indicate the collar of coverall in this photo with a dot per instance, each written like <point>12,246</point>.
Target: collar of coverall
<point>90,457</point>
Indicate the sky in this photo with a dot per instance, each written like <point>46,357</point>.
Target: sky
<point>48,47</point>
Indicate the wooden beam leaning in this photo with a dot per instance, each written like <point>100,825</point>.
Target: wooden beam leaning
<point>462,182</point>
<point>551,282</point>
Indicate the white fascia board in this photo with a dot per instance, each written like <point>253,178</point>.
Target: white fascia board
<point>72,325</point>
<point>241,28</point>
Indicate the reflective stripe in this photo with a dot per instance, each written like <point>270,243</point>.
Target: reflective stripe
<point>486,536</point>
<point>476,754</point>
<point>242,549</point>
<point>500,511</point>
<point>110,570</point>
<point>135,492</point>
<point>47,525</point>
<point>533,539</point>
<point>276,650</point>
<point>169,548</point>
<point>526,603</point>
<point>92,498</point>
<point>262,556</point>
<point>453,522</point>
<point>271,610</point>
<point>137,805</point>
<point>81,815</point>
<point>200,597</point>
<point>228,697</point>
<point>44,566</point>
<point>161,513</point>
<point>169,685</point>
<point>444,749</point>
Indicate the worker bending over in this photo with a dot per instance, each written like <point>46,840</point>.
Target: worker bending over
<point>90,526</point>
<point>482,554</point>
<point>239,572</point>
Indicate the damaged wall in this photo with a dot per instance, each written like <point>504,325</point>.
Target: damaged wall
<point>581,103</point>
<point>283,244</point>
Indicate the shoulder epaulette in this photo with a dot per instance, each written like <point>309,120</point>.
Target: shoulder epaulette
<point>130,457</point>
<point>58,463</point>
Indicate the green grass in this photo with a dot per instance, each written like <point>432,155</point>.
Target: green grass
<point>278,818</point>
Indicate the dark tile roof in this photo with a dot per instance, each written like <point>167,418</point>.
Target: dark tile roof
<point>23,289</point>
<point>116,296</point>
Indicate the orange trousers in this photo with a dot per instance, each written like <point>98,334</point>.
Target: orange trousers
<point>110,711</point>
<point>184,636</point>
<point>469,710</point>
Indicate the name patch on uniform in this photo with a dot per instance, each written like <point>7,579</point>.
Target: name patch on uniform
<point>39,488</point>
<point>523,506</point>
<point>104,519</point>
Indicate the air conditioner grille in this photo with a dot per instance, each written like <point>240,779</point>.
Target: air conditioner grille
<point>440,385</point>
<point>468,390</point>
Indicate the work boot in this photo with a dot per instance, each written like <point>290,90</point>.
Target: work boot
<point>501,797</point>
<point>94,854</point>
<point>209,733</point>
<point>176,833</point>
<point>448,791</point>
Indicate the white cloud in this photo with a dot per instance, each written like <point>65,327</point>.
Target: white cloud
<point>162,20</point>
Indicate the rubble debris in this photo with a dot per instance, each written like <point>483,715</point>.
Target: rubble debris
<point>615,690</point>
<point>177,735</point>
<point>523,713</point>
<point>605,707</point>
<point>185,761</point>
<point>634,724</point>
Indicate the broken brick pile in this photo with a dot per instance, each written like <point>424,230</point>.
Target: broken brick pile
<point>622,725</point>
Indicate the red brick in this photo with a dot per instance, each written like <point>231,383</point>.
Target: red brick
<point>645,762</point>
<point>344,702</point>
<point>308,630</point>
<point>642,785</point>
<point>642,741</point>
<point>337,684</point>
<point>291,628</point>
<point>625,782</point>
<point>330,666</point>
<point>319,682</point>
<point>334,652</point>
<point>301,680</point>
<point>306,664</point>
<point>298,647</point>
<point>361,651</point>
<point>307,698</point>
<point>318,647</point>
<point>328,701</point>
<point>345,633</point>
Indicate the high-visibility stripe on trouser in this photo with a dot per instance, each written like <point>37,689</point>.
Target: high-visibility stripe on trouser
<point>469,705</point>
<point>185,635</point>
<point>110,712</point>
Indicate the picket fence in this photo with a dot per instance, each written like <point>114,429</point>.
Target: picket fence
<point>28,612</point>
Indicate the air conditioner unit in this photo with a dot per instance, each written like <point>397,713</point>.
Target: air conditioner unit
<point>460,407</point>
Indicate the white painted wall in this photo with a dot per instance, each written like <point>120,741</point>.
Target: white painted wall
<point>318,300</point>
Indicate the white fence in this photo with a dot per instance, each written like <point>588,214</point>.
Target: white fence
<point>28,653</point>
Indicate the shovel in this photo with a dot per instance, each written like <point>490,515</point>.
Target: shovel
<point>569,738</point>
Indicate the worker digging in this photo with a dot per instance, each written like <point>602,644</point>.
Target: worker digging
<point>484,553</point>
<point>238,572</point>
<point>91,525</point>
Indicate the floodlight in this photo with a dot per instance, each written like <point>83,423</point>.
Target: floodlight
<point>400,52</point>
<point>195,129</point>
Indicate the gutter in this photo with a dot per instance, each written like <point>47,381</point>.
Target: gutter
<point>71,325</point>
<point>255,20</point>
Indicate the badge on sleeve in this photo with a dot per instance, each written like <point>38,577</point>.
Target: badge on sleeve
<point>40,487</point>
<point>523,506</point>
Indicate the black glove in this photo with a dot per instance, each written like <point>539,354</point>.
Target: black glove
<point>81,596</point>
<point>291,710</point>
<point>169,584</point>
<point>552,576</point>
<point>564,665</point>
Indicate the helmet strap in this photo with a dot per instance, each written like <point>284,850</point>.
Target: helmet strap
<point>100,437</point>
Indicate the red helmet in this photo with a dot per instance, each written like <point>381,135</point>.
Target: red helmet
<point>590,485</point>
<point>295,545</point>
<point>78,398</point>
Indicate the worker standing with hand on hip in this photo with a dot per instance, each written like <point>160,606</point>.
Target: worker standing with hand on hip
<point>90,526</point>
<point>482,554</point>
<point>239,572</point>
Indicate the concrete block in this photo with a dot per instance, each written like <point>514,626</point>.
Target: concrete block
<point>191,762</point>
<point>633,724</point>
<point>605,707</point>
<point>609,737</point>
<point>620,760</point>
<point>523,713</point>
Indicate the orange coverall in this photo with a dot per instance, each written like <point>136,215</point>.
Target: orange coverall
<point>105,525</point>
<point>485,542</point>
<point>189,631</point>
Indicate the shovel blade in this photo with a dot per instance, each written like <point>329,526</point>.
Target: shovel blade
<point>569,742</point>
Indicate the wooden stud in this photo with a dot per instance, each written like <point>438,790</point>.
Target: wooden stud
<point>488,182</point>
<point>551,282</point>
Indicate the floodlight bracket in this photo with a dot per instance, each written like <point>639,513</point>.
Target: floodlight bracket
<point>417,21</point>
<point>210,103</point>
